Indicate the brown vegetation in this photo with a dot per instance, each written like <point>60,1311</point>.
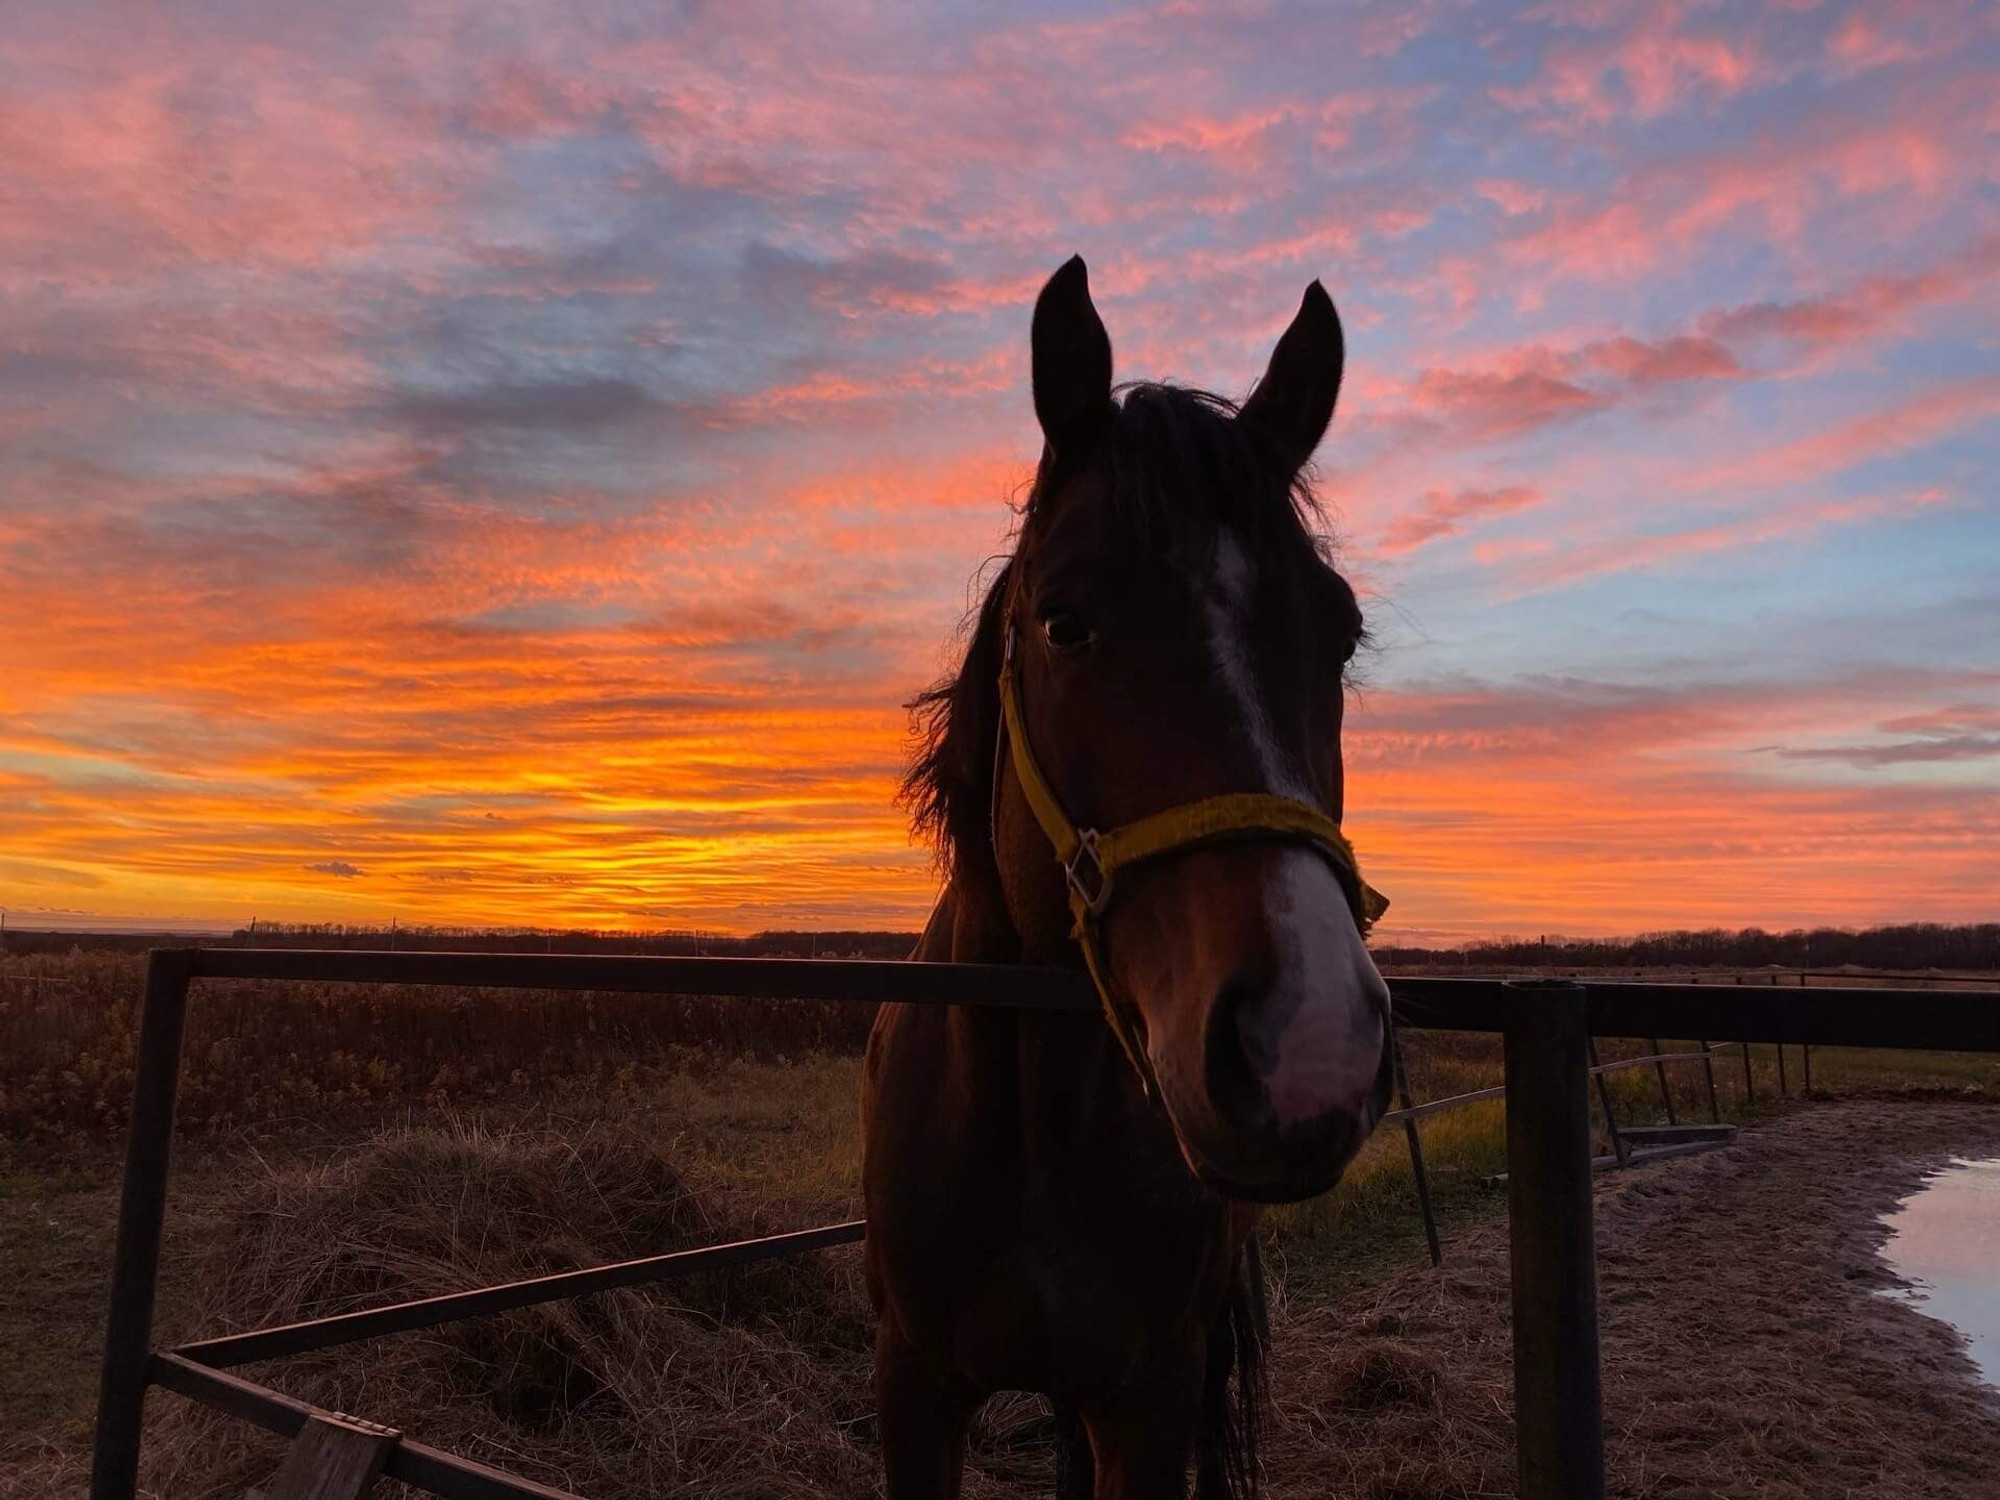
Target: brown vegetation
<point>1966,947</point>
<point>694,1387</point>
<point>580,1129</point>
<point>1746,1353</point>
<point>264,1052</point>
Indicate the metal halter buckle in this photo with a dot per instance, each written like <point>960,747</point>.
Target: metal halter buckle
<point>1086,847</point>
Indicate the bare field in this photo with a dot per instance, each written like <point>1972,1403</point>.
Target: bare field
<point>1730,1280</point>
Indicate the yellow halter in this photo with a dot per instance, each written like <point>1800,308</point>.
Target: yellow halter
<point>1090,859</point>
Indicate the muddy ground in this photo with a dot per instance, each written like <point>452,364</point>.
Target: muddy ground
<point>1746,1349</point>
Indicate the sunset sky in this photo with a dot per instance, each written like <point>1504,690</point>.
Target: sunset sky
<point>507,461</point>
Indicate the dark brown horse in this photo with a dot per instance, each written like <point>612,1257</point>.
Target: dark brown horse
<point>1045,1211</point>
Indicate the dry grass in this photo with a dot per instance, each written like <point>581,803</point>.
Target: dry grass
<point>1742,1358</point>
<point>739,1382</point>
<point>261,1052</point>
<point>725,1383</point>
<point>1746,1353</point>
<point>655,1126</point>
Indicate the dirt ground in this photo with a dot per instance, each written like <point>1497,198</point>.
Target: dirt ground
<point>1747,1353</point>
<point>1746,1349</point>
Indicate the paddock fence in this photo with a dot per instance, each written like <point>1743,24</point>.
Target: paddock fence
<point>1549,1030</point>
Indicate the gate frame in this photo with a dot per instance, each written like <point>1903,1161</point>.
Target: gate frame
<point>1548,1027</point>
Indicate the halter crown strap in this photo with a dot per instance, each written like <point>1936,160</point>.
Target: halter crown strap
<point>1090,859</point>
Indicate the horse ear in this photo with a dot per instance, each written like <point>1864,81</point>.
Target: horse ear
<point>1294,400</point>
<point>1072,362</point>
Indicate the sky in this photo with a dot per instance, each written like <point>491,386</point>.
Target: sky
<point>508,462</point>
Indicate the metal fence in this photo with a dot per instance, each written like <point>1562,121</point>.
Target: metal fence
<point>1629,1144</point>
<point>1549,1030</point>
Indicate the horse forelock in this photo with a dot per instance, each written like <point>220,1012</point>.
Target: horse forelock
<point>1175,469</point>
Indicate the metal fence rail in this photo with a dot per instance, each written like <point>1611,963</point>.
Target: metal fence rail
<point>1548,1029</point>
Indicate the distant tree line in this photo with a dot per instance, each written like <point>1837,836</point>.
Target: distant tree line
<point>1908,945</point>
<point>685,942</point>
<point>436,939</point>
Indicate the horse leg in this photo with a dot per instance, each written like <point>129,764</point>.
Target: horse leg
<point>921,1423</point>
<point>1076,1473</point>
<point>1143,1437</point>
<point>1211,1456</point>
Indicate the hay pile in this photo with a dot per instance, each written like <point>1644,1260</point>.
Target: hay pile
<point>1373,1400</point>
<point>751,1381</point>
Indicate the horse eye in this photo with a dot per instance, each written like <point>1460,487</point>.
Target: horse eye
<point>1065,630</point>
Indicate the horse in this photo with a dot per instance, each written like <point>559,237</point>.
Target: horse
<point>1062,1202</point>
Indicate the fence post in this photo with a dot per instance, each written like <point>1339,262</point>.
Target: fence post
<point>142,1206</point>
<point>1666,1093</point>
<point>1416,1146</point>
<point>1618,1147</point>
<point>1558,1390</point>
<point>1708,1067</point>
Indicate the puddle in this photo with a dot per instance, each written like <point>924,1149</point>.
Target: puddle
<point>1945,1240</point>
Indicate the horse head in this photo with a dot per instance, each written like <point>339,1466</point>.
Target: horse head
<point>1174,643</point>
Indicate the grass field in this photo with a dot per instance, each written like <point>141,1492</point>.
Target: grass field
<point>344,1146</point>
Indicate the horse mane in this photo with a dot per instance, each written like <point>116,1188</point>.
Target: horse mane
<point>1177,468</point>
<point>948,786</point>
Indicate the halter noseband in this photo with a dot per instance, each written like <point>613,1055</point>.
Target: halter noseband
<point>1090,859</point>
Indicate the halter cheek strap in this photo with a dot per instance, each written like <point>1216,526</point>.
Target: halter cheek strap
<point>1091,859</point>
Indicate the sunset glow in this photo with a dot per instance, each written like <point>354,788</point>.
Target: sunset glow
<point>486,464</point>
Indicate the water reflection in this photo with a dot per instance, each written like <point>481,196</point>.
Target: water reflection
<point>1945,1239</point>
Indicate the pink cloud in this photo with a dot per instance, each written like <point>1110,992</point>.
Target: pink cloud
<point>122,171</point>
<point>1649,70</point>
<point>1861,308</point>
<point>1493,403</point>
<point>1912,154</point>
<point>1911,423</point>
<point>1441,513</point>
<point>1531,386</point>
<point>1512,198</point>
<point>1683,357</point>
<point>1237,141</point>
<point>1553,565</point>
<point>1859,43</point>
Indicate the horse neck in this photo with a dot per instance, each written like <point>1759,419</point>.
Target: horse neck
<point>1019,877</point>
<point>1060,1070</point>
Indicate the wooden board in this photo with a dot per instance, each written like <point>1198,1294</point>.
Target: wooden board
<point>334,1457</point>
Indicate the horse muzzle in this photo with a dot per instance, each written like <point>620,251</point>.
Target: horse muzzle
<point>1267,1134</point>
<point>1272,1051</point>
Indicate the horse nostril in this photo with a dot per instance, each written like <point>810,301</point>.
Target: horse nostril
<point>1240,1055</point>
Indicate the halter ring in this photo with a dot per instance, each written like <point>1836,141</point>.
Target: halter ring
<point>1094,900</point>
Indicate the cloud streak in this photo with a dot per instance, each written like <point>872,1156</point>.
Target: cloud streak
<point>510,465</point>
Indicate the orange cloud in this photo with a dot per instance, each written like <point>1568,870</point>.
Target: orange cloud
<point>1588,807</point>
<point>474,469</point>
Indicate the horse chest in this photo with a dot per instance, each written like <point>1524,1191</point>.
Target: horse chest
<point>1058,1276</point>
<point>1053,1311</point>
<point>1030,1228</point>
